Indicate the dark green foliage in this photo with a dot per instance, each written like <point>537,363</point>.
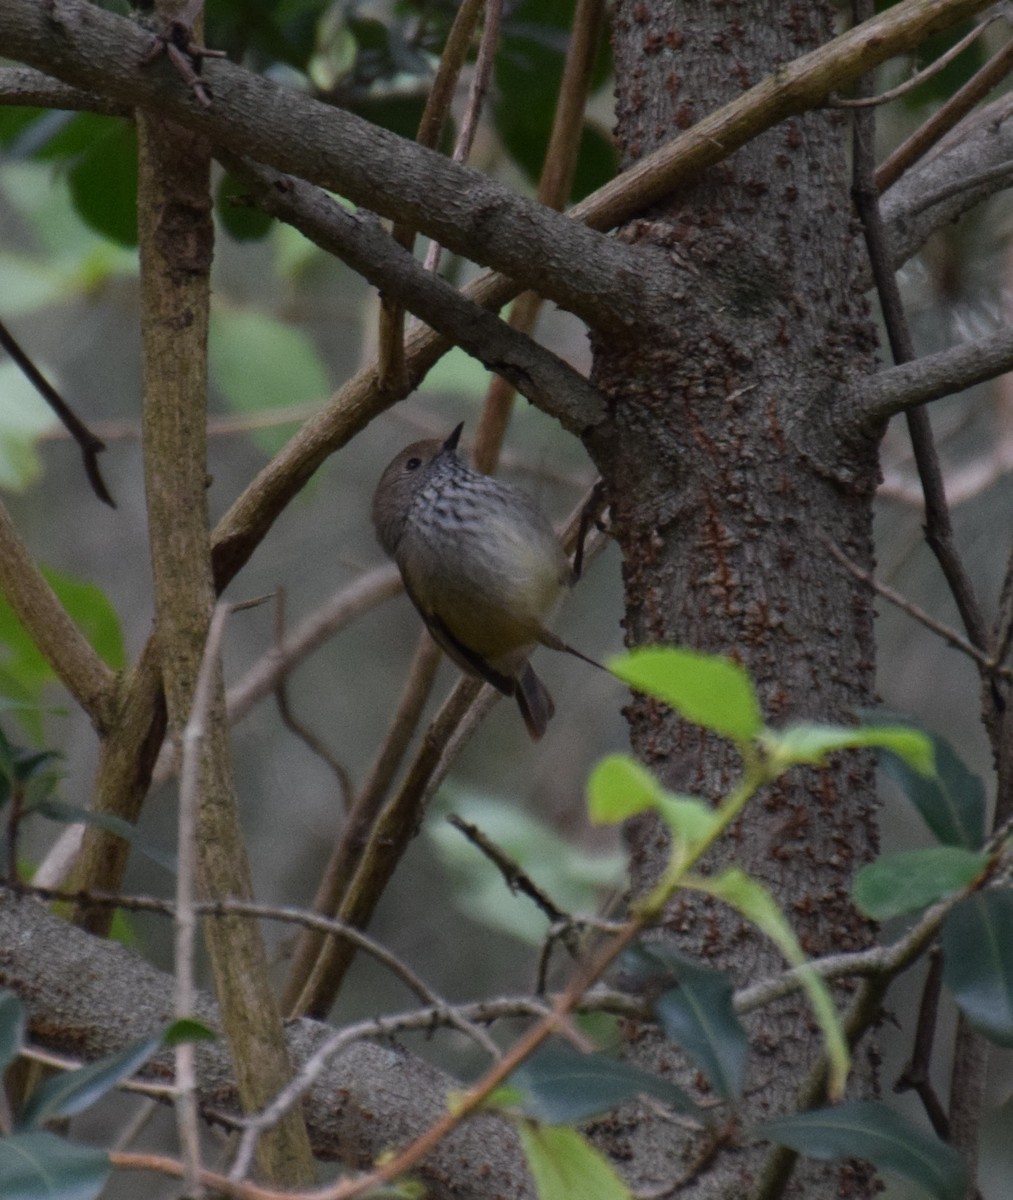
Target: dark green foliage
<point>871,1131</point>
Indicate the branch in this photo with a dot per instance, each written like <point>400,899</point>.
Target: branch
<point>910,384</point>
<point>938,527</point>
<point>359,240</point>
<point>363,595</point>
<point>84,45</point>
<point>24,86</point>
<point>598,278</point>
<point>945,117</point>
<point>339,872</point>
<point>88,443</point>
<point>973,163</point>
<point>58,639</point>
<point>58,969</point>
<point>175,236</point>
<point>390,325</point>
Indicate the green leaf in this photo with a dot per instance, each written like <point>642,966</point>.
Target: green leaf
<point>90,610</point>
<point>21,765</point>
<point>565,1167</point>
<point>12,1028</point>
<point>689,820</point>
<point>72,1092</point>
<point>951,802</point>
<point>873,1132</point>
<point>704,688</point>
<point>913,879</point>
<point>188,1029</point>
<point>259,362</point>
<point>621,787</point>
<point>753,900</point>
<point>70,135</point>
<point>41,1166</point>
<point>16,126</point>
<point>811,743</point>
<point>696,1013</point>
<point>560,1085</point>
<point>103,183</point>
<point>977,942</point>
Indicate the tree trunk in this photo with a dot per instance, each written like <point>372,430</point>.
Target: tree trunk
<point>725,470</point>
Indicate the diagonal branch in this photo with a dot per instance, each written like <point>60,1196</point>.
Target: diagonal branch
<point>972,163</point>
<point>597,278</point>
<point>88,443</point>
<point>463,209</point>
<point>360,241</point>
<point>61,643</point>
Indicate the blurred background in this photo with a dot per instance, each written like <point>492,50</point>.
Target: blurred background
<point>289,327</point>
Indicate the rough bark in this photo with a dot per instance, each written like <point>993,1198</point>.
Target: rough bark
<point>176,234</point>
<point>724,466</point>
<point>734,435</point>
<point>87,998</point>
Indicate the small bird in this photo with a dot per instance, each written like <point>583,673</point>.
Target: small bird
<point>480,562</point>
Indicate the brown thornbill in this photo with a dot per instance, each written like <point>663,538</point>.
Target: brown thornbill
<point>480,562</point>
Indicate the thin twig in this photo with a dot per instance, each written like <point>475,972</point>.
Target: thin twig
<point>87,442</point>
<point>921,76</point>
<point>938,527</point>
<point>476,99</point>
<point>916,1075</point>
<point>154,1089</point>
<point>372,588</point>
<point>301,996</point>
<point>139,1120</point>
<point>945,118</point>
<point>177,41</point>
<point>291,722</point>
<point>514,876</point>
<point>391,370</point>
<point>312,1068</point>
<point>1003,634</point>
<point>946,632</point>
<point>346,605</point>
<point>243,908</point>
<point>554,186</point>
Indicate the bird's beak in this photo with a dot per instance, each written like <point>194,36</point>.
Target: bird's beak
<point>455,437</point>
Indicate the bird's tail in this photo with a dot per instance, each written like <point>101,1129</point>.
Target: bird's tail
<point>534,701</point>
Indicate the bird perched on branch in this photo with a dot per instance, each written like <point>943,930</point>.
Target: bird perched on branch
<point>482,565</point>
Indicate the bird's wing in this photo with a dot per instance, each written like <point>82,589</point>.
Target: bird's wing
<point>466,658</point>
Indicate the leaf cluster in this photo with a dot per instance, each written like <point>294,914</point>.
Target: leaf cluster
<point>36,1164</point>
<point>694,1004</point>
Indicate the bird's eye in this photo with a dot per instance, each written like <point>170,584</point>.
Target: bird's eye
<point>413,464</point>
